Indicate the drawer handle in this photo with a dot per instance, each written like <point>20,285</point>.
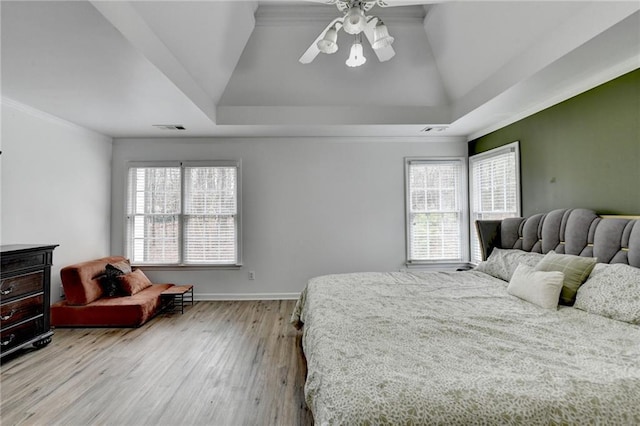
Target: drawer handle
<point>7,291</point>
<point>6,317</point>
<point>8,341</point>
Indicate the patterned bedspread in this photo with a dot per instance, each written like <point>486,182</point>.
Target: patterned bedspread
<point>455,348</point>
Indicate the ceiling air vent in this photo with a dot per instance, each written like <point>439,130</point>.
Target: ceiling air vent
<point>434,129</point>
<point>169,126</point>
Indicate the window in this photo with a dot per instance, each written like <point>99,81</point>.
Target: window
<point>494,188</point>
<point>184,213</point>
<point>435,214</point>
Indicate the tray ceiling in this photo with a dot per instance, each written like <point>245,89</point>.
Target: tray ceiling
<point>231,68</point>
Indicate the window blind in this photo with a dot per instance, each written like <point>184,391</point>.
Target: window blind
<point>210,214</point>
<point>183,215</point>
<point>434,210</point>
<point>495,189</point>
<point>154,210</point>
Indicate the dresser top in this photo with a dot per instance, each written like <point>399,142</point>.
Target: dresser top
<point>17,248</point>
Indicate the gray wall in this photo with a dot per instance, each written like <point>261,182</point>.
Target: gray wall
<point>583,152</point>
<point>56,187</point>
<point>310,206</point>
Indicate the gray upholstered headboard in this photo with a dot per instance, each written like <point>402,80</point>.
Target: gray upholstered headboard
<point>571,231</point>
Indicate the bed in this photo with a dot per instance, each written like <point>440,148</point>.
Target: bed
<point>462,348</point>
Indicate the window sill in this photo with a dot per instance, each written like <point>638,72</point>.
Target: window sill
<point>433,266</point>
<point>186,267</point>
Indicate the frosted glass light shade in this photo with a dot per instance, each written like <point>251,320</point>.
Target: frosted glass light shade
<point>356,58</point>
<point>381,37</point>
<point>329,42</point>
<point>354,21</point>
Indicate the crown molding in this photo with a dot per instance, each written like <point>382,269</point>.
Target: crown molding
<point>300,14</point>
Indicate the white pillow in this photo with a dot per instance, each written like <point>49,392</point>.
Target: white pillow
<point>541,288</point>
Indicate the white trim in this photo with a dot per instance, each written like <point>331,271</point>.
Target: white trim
<point>51,118</point>
<point>493,152</point>
<point>189,267</point>
<point>435,266</point>
<point>462,199</point>
<point>139,164</point>
<point>182,164</point>
<point>500,150</point>
<point>483,156</point>
<point>245,296</point>
<point>418,138</point>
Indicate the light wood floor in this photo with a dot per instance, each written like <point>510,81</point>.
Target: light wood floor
<point>221,363</point>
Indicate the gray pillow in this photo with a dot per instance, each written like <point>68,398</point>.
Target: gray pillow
<point>612,291</point>
<point>576,270</point>
<point>502,262</point>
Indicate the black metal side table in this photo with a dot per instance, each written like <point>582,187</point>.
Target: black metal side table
<point>174,298</point>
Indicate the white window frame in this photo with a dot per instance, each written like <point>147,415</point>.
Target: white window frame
<point>181,223</point>
<point>463,209</point>
<point>513,147</point>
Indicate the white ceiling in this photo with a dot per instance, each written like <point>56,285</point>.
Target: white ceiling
<point>231,68</point>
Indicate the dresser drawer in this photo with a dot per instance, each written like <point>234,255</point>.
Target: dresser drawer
<point>11,263</point>
<point>21,285</point>
<point>15,336</point>
<point>20,310</point>
<point>25,286</point>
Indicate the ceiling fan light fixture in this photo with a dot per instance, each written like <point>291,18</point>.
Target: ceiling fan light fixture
<point>329,44</point>
<point>356,56</point>
<point>354,20</point>
<point>381,37</point>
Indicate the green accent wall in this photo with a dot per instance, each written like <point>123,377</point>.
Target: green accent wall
<point>583,152</point>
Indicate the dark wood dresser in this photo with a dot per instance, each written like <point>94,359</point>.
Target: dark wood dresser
<point>25,287</point>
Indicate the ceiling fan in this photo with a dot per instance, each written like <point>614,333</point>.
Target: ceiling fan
<point>355,22</point>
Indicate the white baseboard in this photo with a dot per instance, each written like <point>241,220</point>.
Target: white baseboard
<point>246,296</point>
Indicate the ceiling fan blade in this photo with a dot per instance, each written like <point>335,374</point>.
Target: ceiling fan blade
<point>383,54</point>
<point>313,51</point>
<point>323,1</point>
<point>343,5</point>
<point>392,3</point>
